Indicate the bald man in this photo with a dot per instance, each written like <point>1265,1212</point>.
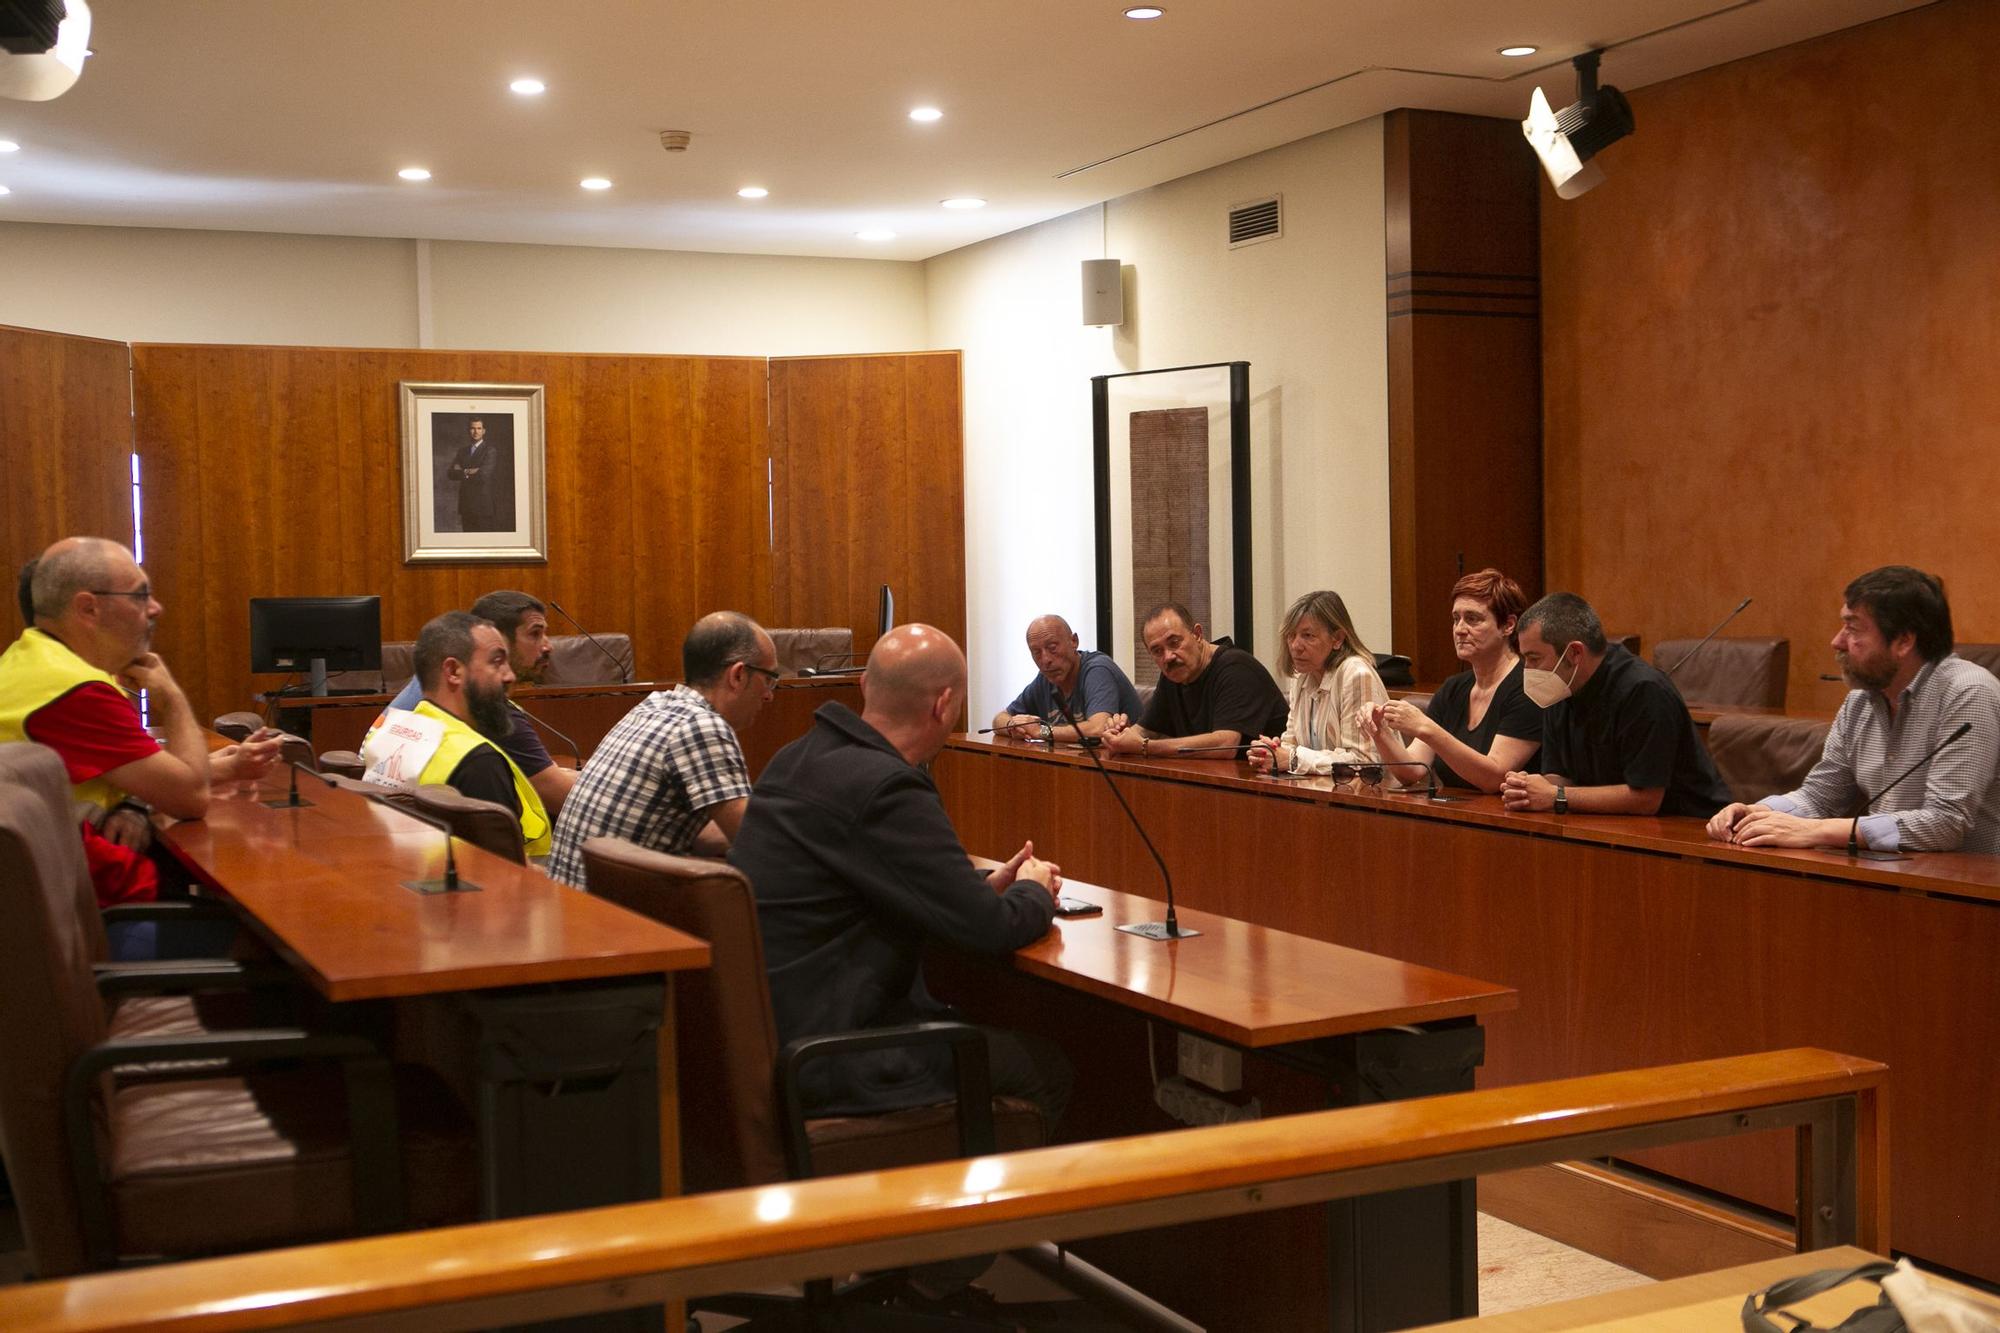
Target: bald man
<point>1085,685</point>
<point>68,682</point>
<point>855,866</point>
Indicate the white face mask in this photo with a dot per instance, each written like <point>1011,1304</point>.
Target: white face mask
<point>1546,687</point>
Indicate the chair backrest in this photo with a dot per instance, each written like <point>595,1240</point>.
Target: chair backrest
<point>1761,756</point>
<point>238,726</point>
<point>1746,672</point>
<point>344,763</point>
<point>485,824</point>
<point>829,647</point>
<point>727,1038</point>
<point>1629,642</point>
<point>1394,669</point>
<point>29,765</point>
<point>1985,654</point>
<point>575,660</point>
<point>50,1012</point>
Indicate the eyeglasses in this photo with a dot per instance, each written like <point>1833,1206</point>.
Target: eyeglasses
<point>773,676</point>
<point>137,594</point>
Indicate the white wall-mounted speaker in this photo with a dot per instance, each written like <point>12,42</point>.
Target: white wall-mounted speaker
<point>1103,291</point>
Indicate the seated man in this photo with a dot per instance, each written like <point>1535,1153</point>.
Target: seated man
<point>1089,685</point>
<point>64,684</point>
<point>1211,695</point>
<point>855,866</point>
<point>1616,737</point>
<point>1909,692</point>
<point>670,776</point>
<point>524,623</point>
<point>451,736</point>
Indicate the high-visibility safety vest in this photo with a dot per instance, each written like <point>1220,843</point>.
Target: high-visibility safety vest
<point>35,672</point>
<point>427,744</point>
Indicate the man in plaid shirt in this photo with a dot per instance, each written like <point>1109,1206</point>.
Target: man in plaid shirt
<point>670,775</point>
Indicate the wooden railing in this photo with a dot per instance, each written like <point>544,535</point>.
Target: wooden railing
<point>640,1254</point>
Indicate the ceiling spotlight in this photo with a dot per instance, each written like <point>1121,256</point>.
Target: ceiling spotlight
<point>1519,50</point>
<point>967,202</point>
<point>414,174</point>
<point>594,183</point>
<point>875,234</point>
<point>5,190</point>
<point>1144,12</point>
<point>926,114</point>
<point>9,146</point>
<point>1566,140</point>
<point>33,70</point>
<point>528,87</point>
<point>752,192</point>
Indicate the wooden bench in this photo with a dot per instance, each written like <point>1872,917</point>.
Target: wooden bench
<point>649,1253</point>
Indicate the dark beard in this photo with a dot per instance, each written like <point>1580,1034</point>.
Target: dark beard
<point>1860,679</point>
<point>489,713</point>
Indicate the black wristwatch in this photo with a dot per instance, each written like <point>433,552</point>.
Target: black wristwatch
<point>1562,800</point>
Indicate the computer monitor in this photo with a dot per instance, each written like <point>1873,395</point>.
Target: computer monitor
<point>885,611</point>
<point>314,634</point>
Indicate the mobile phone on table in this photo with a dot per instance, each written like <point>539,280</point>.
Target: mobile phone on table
<point>1068,906</point>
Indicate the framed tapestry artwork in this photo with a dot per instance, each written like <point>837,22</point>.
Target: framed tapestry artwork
<point>474,484</point>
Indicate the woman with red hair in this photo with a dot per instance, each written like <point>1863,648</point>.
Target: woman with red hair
<point>1480,725</point>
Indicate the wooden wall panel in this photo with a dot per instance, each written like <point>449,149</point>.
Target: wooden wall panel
<point>1464,368</point>
<point>1770,340</point>
<point>869,464</point>
<point>65,447</point>
<point>275,471</point>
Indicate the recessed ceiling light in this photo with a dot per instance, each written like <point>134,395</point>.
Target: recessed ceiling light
<point>1144,12</point>
<point>966,202</point>
<point>752,192</point>
<point>414,174</point>
<point>528,87</point>
<point>1519,50</point>
<point>9,146</point>
<point>875,234</point>
<point>594,183</point>
<point>5,190</point>
<point>926,113</point>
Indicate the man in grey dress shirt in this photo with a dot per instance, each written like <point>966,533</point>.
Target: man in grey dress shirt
<point>1911,691</point>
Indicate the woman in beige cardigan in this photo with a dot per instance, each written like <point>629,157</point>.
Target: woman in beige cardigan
<point>1332,684</point>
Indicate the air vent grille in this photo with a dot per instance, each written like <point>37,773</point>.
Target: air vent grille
<point>1258,220</point>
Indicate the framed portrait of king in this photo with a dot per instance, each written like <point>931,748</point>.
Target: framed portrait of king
<point>474,484</point>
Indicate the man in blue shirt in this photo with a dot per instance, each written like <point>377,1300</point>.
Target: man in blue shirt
<point>1088,684</point>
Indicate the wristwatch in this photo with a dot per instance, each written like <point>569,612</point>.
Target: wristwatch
<point>1562,800</point>
<point>1048,734</point>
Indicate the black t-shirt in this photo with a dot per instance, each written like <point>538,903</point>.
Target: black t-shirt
<point>1629,725</point>
<point>1235,693</point>
<point>484,775</point>
<point>1510,713</point>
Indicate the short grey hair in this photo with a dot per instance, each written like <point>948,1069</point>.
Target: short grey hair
<point>70,568</point>
<point>1565,619</point>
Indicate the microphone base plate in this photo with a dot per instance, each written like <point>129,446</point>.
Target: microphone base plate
<point>286,803</point>
<point>1157,930</point>
<point>429,886</point>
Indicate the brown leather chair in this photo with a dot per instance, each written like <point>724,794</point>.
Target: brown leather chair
<point>740,1122</point>
<point>238,726</point>
<point>1759,755</point>
<point>205,1158</point>
<point>827,649</point>
<point>485,824</point>
<point>1729,672</point>
<point>601,659</point>
<point>346,763</point>
<point>1985,654</point>
<point>1629,642</point>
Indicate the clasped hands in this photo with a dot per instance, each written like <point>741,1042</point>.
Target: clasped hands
<point>1761,826</point>
<point>1024,864</point>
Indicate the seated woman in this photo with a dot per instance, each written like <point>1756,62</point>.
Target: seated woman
<point>1332,686</point>
<point>1480,724</point>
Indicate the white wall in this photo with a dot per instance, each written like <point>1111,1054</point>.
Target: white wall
<point>1307,311</point>
<point>159,285</point>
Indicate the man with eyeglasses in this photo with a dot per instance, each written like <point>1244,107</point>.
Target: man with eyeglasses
<point>671,776</point>
<point>68,682</point>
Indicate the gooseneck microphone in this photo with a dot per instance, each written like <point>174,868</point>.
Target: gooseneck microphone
<point>624,669</point>
<point>1854,847</point>
<point>1170,929</point>
<point>293,801</point>
<point>573,748</point>
<point>1704,638</point>
<point>449,882</point>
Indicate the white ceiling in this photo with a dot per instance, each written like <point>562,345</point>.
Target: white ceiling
<point>294,115</point>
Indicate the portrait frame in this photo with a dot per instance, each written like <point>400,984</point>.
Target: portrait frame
<point>474,473</point>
